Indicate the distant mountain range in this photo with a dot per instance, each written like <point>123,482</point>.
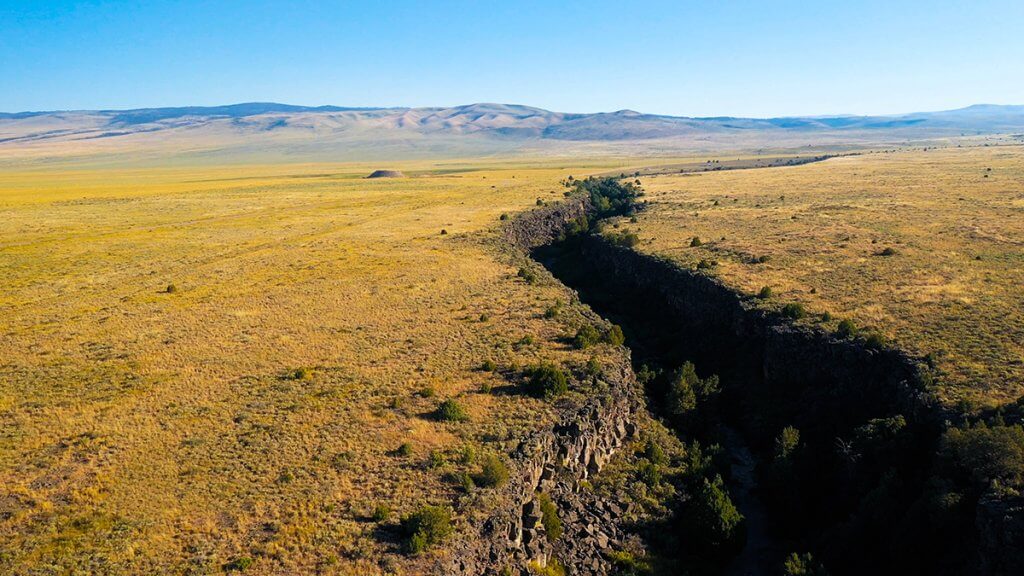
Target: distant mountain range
<point>340,132</point>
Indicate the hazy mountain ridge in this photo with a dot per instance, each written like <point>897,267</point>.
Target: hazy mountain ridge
<point>485,128</point>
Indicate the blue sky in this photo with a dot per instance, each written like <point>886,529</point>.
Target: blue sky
<point>741,58</point>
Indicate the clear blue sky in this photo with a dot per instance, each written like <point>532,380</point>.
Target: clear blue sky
<point>687,58</point>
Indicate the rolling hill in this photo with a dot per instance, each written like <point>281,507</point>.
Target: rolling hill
<point>269,129</point>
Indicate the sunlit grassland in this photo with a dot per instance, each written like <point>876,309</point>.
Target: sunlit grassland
<point>147,431</point>
<point>951,287</point>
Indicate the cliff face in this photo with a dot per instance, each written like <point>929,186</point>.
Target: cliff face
<point>556,459</point>
<point>824,385</point>
<point>546,224</point>
<point>720,327</point>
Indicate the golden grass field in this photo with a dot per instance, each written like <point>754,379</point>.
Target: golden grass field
<point>953,289</point>
<point>143,431</point>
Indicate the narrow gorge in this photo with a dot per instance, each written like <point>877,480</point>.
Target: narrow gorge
<point>829,444</point>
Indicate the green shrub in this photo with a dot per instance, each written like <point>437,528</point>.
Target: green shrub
<point>451,411</point>
<point>649,473</point>
<point>846,329</point>
<point>614,336</point>
<point>427,527</point>
<point>528,275</point>
<point>553,568</point>
<point>302,374</point>
<point>549,518</point>
<point>436,459</point>
<point>523,342</point>
<point>765,293</point>
<point>654,453</point>
<point>405,449</point>
<point>826,317</point>
<point>706,264</point>
<point>786,443</point>
<point>887,252</point>
<point>427,392</point>
<point>240,564</point>
<point>875,340</point>
<point>466,455</point>
<point>552,311</point>
<point>171,289</point>
<point>503,217</point>
<point>381,513</point>
<point>695,242</point>
<point>802,565</point>
<point>547,381</point>
<point>493,472</point>
<point>464,480</point>
<point>794,310</point>
<point>488,366</point>
<point>627,564</point>
<point>443,232</point>
<point>586,337</point>
<point>625,239</point>
<point>593,367</point>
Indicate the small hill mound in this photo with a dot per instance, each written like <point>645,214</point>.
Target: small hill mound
<point>387,174</point>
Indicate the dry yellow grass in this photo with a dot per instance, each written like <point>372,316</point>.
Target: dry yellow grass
<point>148,431</point>
<point>954,288</point>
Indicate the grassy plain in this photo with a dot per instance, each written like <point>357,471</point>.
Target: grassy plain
<point>923,247</point>
<point>148,430</point>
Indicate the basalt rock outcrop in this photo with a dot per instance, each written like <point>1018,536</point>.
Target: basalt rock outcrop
<point>546,224</point>
<point>555,460</point>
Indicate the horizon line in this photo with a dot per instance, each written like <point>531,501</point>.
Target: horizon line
<point>339,108</point>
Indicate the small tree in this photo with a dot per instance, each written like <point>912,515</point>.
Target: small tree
<point>715,520</point>
<point>687,391</point>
